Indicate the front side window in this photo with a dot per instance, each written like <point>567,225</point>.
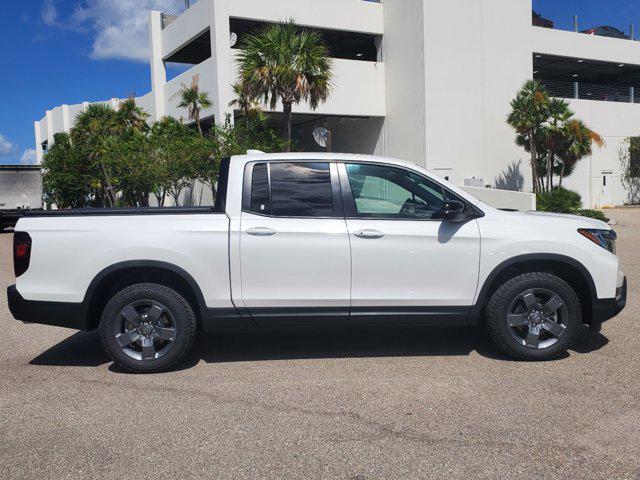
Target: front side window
<point>292,189</point>
<point>390,192</point>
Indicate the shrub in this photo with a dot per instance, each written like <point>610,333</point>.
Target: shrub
<point>559,200</point>
<point>597,214</point>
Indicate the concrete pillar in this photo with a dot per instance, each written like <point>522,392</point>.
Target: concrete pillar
<point>49,128</point>
<point>66,121</point>
<point>39,152</point>
<point>158,70</point>
<point>221,51</point>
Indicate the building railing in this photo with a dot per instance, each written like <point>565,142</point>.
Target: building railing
<point>179,7</point>
<point>176,9</point>
<point>592,91</point>
<point>602,31</point>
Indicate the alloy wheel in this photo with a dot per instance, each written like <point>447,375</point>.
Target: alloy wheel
<point>537,318</point>
<point>145,330</point>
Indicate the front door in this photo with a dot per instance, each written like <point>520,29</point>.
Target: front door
<point>407,264</point>
<point>294,246</point>
<point>606,190</point>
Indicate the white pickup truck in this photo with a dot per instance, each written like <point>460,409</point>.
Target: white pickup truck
<point>303,239</point>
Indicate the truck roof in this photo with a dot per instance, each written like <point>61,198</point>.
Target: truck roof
<point>347,157</point>
<point>321,156</point>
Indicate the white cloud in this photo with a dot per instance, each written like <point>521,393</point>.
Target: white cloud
<point>49,14</point>
<point>7,148</point>
<point>120,27</point>
<point>28,157</point>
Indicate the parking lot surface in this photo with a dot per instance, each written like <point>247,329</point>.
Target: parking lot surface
<point>425,403</point>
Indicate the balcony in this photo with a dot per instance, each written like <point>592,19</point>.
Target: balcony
<point>591,91</point>
<point>179,7</point>
<point>359,90</point>
<point>176,9</point>
<point>584,79</point>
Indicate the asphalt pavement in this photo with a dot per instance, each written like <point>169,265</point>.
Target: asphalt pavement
<point>392,404</point>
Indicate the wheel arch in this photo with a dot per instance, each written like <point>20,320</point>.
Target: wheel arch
<point>121,275</point>
<point>566,268</point>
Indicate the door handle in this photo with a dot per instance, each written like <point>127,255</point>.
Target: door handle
<point>261,231</point>
<point>372,234</point>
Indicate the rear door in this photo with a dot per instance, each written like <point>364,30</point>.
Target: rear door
<point>294,246</point>
<point>407,263</point>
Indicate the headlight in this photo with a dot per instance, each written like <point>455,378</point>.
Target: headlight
<point>605,238</point>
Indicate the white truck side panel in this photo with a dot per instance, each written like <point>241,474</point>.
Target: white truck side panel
<point>506,235</point>
<point>68,252</point>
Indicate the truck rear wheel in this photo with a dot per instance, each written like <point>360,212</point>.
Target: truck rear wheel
<point>148,328</point>
<point>534,316</point>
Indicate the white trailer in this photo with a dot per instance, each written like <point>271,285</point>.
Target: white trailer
<point>20,190</point>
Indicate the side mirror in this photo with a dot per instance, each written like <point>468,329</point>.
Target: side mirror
<point>454,211</point>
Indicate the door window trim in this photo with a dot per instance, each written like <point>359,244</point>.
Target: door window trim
<point>349,203</point>
<point>336,194</point>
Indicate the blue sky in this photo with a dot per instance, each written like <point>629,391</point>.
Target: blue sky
<point>591,13</point>
<point>69,51</point>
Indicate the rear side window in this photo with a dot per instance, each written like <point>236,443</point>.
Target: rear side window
<point>292,189</point>
<point>260,198</point>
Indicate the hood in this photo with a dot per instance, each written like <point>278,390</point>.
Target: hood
<point>585,221</point>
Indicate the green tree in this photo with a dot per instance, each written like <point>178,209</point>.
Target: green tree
<point>194,100</point>
<point>65,177</point>
<point>130,117</point>
<point>529,112</point>
<point>247,101</point>
<point>576,142</point>
<point>131,159</point>
<point>283,62</point>
<point>91,135</point>
<point>180,153</point>
<point>629,154</point>
<point>236,139</point>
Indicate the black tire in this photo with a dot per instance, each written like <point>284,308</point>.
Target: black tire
<point>509,338</point>
<point>175,309</point>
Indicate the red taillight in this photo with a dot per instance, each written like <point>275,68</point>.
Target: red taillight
<point>21,252</point>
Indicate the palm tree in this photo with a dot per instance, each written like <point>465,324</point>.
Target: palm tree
<point>554,130</point>
<point>246,101</point>
<point>132,117</point>
<point>529,112</point>
<point>286,63</point>
<point>194,100</point>
<point>577,143</point>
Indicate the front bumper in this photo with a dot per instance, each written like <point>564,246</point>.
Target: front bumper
<point>606,309</point>
<point>58,314</point>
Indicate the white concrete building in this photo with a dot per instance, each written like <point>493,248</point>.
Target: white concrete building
<point>423,80</point>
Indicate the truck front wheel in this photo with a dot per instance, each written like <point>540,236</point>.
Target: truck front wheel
<point>148,328</point>
<point>534,316</point>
